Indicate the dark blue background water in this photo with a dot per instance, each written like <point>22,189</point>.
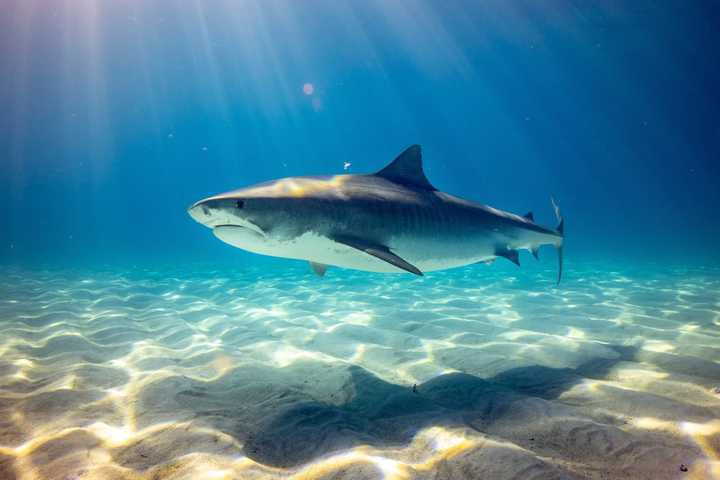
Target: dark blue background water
<point>117,115</point>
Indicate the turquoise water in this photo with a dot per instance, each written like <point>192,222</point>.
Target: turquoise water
<point>135,345</point>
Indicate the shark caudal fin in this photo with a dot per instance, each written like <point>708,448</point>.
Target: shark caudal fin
<point>561,230</point>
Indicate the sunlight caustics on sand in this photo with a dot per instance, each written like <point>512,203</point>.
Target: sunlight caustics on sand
<point>464,374</point>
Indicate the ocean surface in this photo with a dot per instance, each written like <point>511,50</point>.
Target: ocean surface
<point>136,345</point>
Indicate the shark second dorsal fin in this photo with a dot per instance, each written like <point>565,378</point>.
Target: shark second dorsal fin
<point>407,169</point>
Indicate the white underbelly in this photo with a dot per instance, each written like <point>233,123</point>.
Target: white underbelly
<point>427,255</point>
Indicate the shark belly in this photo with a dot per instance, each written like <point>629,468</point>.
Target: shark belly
<point>440,253</point>
<point>428,254</point>
<point>309,246</point>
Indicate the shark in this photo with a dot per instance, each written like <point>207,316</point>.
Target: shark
<point>391,221</point>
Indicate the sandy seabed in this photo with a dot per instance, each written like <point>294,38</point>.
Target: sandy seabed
<point>481,372</point>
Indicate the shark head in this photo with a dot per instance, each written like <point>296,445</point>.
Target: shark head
<point>254,218</point>
<point>235,218</point>
<point>263,217</point>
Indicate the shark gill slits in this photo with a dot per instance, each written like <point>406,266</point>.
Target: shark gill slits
<point>240,204</point>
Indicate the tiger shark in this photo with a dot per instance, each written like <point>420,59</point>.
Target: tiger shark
<point>392,221</point>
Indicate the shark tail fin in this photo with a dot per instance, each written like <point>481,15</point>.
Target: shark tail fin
<point>560,230</point>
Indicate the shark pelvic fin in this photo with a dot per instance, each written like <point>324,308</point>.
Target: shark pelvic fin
<point>534,252</point>
<point>407,169</point>
<point>378,251</point>
<point>511,255</point>
<point>529,216</point>
<point>318,268</point>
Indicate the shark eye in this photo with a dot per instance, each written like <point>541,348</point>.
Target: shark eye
<point>240,204</point>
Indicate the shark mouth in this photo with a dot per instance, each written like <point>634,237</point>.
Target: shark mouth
<point>240,236</point>
<point>249,229</point>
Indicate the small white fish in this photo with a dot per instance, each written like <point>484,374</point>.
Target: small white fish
<point>346,165</point>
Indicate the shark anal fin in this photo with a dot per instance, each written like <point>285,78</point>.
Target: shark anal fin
<point>511,255</point>
<point>378,251</point>
<point>318,268</point>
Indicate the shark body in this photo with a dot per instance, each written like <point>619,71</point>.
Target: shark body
<point>392,221</point>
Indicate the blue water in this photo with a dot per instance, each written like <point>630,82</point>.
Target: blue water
<point>131,334</point>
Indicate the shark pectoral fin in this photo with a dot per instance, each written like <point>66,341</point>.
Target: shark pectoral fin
<point>393,259</point>
<point>379,251</point>
<point>318,268</point>
<point>511,255</point>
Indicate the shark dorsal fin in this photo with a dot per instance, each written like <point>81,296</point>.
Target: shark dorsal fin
<point>407,169</point>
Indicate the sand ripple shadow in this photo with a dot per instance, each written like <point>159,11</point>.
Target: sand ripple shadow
<point>282,417</point>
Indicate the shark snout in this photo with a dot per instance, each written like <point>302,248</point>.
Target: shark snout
<point>203,211</point>
<point>196,213</point>
<point>215,211</point>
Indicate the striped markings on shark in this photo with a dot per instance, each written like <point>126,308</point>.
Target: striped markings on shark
<point>391,221</point>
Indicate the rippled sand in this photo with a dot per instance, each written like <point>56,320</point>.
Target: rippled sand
<point>482,372</point>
